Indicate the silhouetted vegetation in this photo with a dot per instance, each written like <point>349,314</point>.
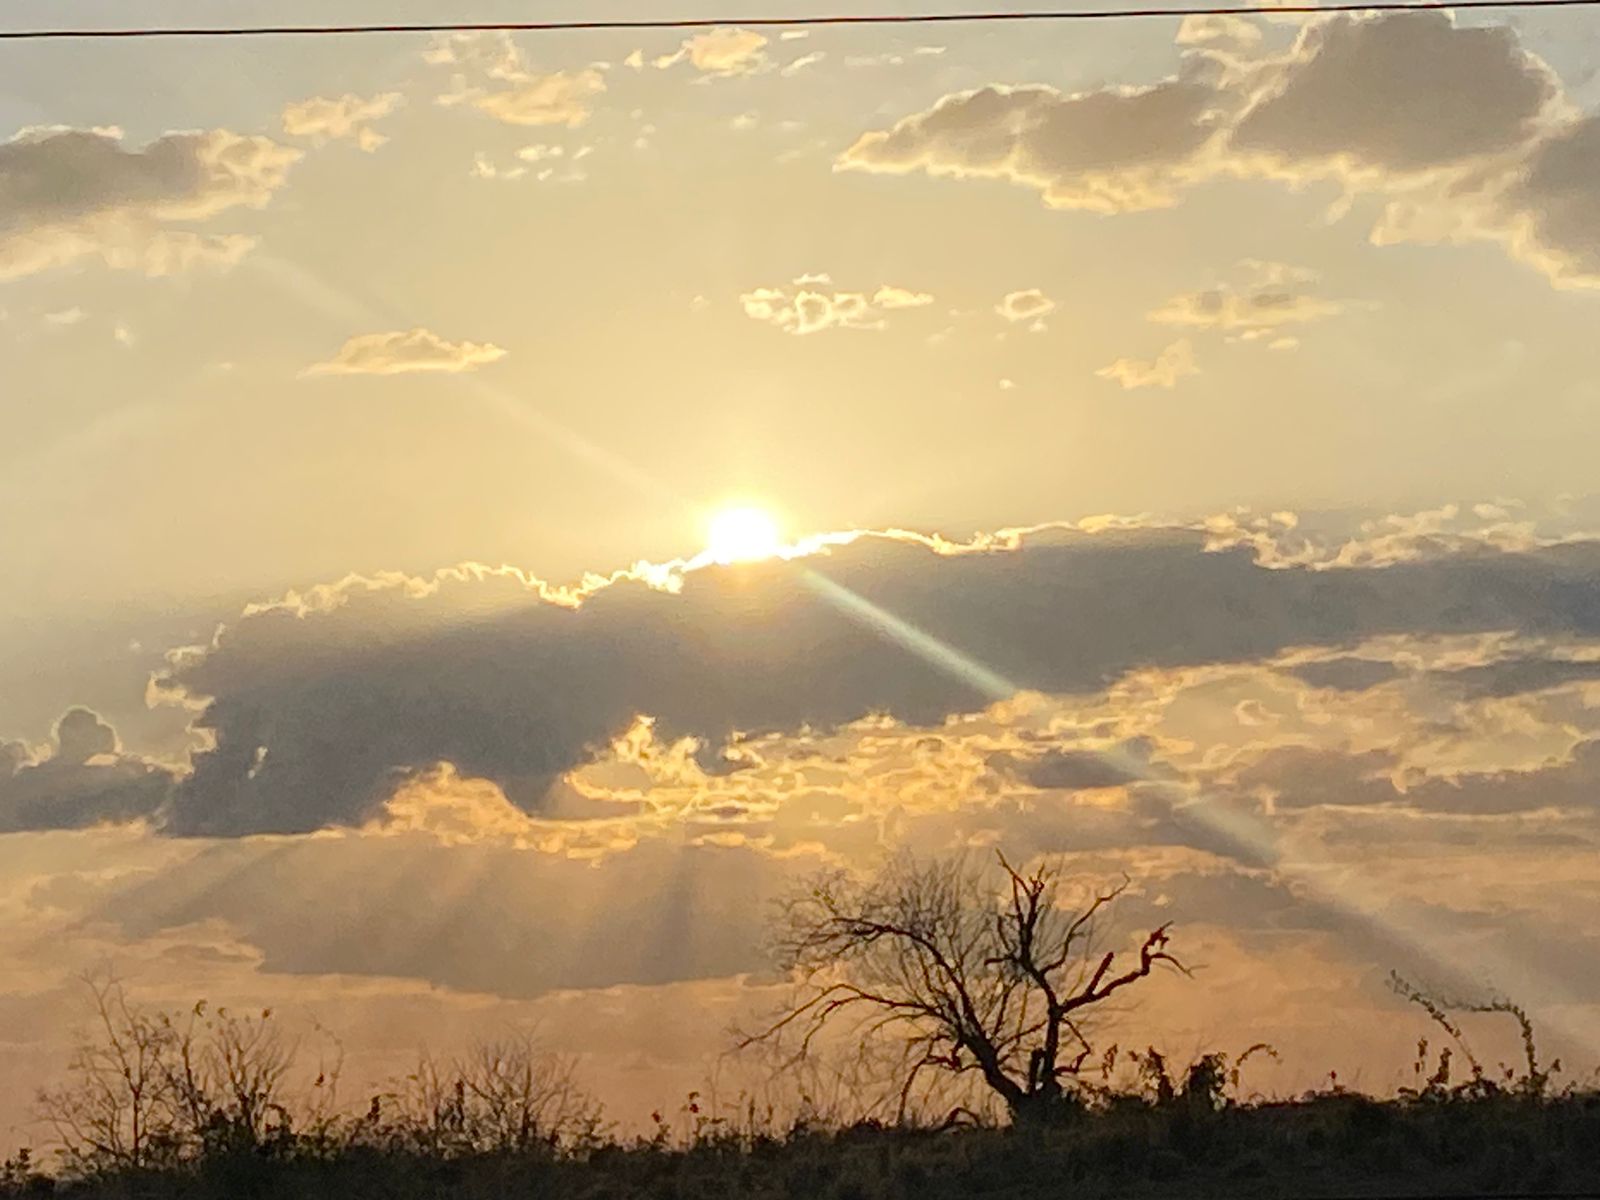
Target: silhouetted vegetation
<point>967,977</point>
<point>210,1103</point>
<point>1187,1135</point>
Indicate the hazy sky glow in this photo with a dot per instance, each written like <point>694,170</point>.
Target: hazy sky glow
<point>1179,436</point>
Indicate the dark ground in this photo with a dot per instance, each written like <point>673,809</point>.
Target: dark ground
<point>1323,1146</point>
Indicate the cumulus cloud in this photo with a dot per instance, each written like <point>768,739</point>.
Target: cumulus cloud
<point>1112,150</point>
<point>1027,305</point>
<point>1556,199</point>
<point>68,195</point>
<point>81,735</point>
<point>562,98</point>
<point>721,52</point>
<point>1477,148</point>
<point>1477,143</point>
<point>491,75</point>
<point>82,780</point>
<point>524,691</point>
<point>1399,95</point>
<point>1163,371</point>
<point>811,305</point>
<point>1543,209</point>
<point>404,351</point>
<point>330,118</point>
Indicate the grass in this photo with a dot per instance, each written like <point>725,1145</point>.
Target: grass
<point>1327,1144</point>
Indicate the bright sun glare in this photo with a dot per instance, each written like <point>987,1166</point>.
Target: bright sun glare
<point>743,535</point>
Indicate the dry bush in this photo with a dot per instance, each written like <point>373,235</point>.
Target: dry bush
<point>509,1096</point>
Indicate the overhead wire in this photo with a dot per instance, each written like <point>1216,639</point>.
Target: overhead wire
<point>980,16</point>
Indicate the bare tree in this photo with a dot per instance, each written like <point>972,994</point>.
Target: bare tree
<point>973,977</point>
<point>151,1088</point>
<point>116,1107</point>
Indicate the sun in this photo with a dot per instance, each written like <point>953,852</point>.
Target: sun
<point>743,535</point>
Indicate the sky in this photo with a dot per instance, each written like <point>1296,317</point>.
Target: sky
<point>1180,433</point>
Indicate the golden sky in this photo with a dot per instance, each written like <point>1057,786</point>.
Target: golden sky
<point>1182,430</point>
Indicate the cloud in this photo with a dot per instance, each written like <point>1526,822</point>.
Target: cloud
<point>1163,371</point>
<point>1028,305</point>
<point>1476,148</point>
<point>1521,675</point>
<point>1298,778</point>
<point>721,52</point>
<point>565,925</point>
<point>488,54</point>
<point>1346,674</point>
<point>1479,146</point>
<point>802,62</point>
<point>401,352</point>
<point>563,98</point>
<point>81,735</point>
<point>68,195</point>
<point>492,76</point>
<point>1544,210</point>
<point>321,708</point>
<point>1269,296</point>
<point>82,781</point>
<point>545,162</point>
<point>330,118</point>
<point>1069,770</point>
<point>1112,150</point>
<point>891,58</point>
<point>483,167</point>
<point>806,307</point>
<point>1351,99</point>
<point>1201,29</point>
<point>889,296</point>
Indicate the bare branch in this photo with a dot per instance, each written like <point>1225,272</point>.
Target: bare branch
<point>974,972</point>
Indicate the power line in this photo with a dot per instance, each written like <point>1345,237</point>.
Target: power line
<point>644,23</point>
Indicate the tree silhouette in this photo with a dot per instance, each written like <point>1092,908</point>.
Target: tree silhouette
<point>976,971</point>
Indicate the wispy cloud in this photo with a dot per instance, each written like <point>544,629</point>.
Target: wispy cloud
<point>402,352</point>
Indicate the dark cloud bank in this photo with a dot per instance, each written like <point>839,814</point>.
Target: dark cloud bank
<point>319,711</point>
